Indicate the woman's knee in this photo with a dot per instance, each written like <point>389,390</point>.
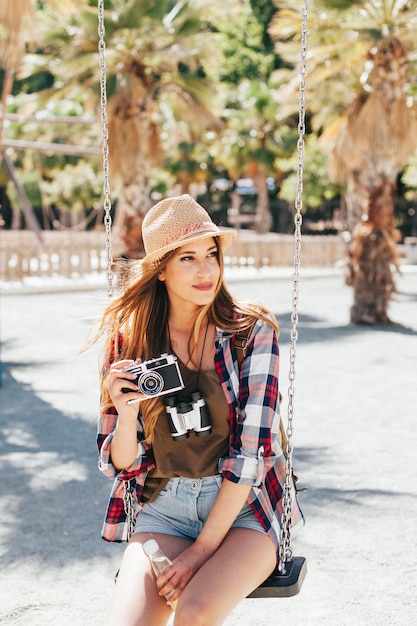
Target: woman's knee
<point>196,611</point>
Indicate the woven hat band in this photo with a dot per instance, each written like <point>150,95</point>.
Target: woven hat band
<point>191,229</point>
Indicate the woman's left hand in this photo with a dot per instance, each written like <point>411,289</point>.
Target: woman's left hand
<point>229,502</point>
<point>178,575</point>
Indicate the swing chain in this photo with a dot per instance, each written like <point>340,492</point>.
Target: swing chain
<point>285,550</point>
<point>105,147</point>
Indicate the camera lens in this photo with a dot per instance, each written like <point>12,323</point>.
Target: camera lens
<point>151,383</point>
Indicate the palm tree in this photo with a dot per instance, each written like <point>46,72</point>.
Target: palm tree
<point>16,33</point>
<point>253,141</point>
<point>374,143</point>
<point>375,133</point>
<point>156,57</point>
<point>372,256</point>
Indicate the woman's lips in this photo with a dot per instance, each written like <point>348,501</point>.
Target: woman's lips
<point>204,286</point>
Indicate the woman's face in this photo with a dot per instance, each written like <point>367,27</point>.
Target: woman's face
<point>192,274</point>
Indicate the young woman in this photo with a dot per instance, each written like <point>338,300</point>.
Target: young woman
<point>209,492</point>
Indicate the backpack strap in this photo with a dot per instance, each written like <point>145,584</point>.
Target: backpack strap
<point>241,344</point>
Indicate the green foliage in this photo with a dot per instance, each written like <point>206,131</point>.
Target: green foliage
<point>30,84</point>
<point>192,56</point>
<point>245,55</point>
<point>30,183</point>
<point>341,5</point>
<point>316,185</point>
<point>73,187</point>
<point>254,135</point>
<point>409,180</point>
<point>263,11</point>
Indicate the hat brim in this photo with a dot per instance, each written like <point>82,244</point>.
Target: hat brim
<point>225,237</point>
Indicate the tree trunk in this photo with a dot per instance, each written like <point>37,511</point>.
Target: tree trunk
<point>129,134</point>
<point>28,212</point>
<point>263,222</point>
<point>373,256</point>
<point>7,88</point>
<point>356,198</point>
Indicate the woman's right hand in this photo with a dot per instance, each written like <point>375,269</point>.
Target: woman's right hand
<point>119,381</point>
<point>124,445</point>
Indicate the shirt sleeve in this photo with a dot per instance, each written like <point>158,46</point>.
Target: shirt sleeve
<point>106,426</point>
<point>253,451</point>
<point>143,461</point>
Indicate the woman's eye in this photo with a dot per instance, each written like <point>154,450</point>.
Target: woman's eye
<point>190,257</point>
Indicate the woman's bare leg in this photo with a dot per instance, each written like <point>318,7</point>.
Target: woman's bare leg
<point>243,561</point>
<point>136,601</point>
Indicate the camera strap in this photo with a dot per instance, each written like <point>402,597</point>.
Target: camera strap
<point>201,357</point>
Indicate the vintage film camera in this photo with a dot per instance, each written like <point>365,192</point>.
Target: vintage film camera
<point>156,377</point>
<point>186,416</point>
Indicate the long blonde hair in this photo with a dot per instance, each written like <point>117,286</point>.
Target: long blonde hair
<point>135,324</point>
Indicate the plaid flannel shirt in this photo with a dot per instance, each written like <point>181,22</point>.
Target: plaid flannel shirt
<point>255,457</point>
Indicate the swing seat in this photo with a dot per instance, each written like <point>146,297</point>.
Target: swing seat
<point>283,584</point>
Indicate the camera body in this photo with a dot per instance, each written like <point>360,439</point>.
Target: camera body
<point>156,377</point>
<point>186,416</point>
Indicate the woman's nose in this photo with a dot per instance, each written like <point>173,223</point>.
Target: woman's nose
<point>203,267</point>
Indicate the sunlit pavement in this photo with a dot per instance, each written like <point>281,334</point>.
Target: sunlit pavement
<point>355,438</point>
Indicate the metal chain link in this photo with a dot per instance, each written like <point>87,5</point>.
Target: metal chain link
<point>285,550</point>
<point>129,506</point>
<point>104,145</point>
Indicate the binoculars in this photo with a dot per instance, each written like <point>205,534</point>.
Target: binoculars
<point>186,416</point>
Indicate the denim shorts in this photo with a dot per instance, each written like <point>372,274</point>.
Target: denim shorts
<point>182,507</point>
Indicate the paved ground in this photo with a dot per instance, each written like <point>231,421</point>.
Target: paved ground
<point>355,438</point>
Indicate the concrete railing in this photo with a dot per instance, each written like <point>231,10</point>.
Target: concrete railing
<point>74,254</point>
<point>410,247</point>
<point>277,250</point>
<point>66,254</point>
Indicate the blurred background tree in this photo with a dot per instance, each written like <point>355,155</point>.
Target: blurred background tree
<point>360,70</point>
<point>204,97</point>
<point>155,56</point>
<point>16,32</point>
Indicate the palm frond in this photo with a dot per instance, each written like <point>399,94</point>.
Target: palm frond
<point>16,32</point>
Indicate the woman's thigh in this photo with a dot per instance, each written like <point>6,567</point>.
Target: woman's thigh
<point>243,561</point>
<point>136,601</point>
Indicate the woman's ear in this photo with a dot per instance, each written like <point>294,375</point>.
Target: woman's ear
<point>161,276</point>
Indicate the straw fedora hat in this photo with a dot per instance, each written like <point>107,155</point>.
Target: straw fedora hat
<point>173,222</point>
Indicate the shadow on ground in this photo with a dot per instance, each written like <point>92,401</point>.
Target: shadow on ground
<point>313,329</point>
<point>52,496</point>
